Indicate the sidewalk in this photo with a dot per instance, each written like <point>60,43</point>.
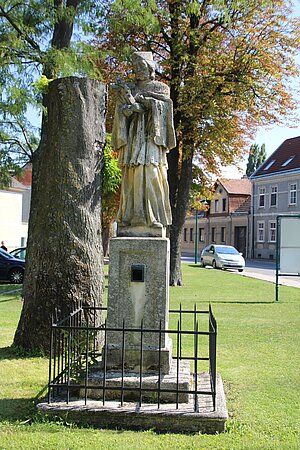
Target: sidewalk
<point>271,277</point>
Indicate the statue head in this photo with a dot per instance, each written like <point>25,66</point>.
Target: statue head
<point>143,66</point>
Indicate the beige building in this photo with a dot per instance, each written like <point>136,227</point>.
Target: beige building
<point>227,220</point>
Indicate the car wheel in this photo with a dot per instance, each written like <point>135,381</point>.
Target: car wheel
<point>241,270</point>
<point>214,264</point>
<point>16,276</point>
<point>202,263</point>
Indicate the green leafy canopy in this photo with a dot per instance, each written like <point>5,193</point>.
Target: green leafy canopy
<point>35,44</point>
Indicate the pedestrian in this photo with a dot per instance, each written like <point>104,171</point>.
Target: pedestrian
<point>3,246</point>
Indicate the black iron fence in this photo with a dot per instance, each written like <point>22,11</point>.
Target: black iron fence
<point>79,352</point>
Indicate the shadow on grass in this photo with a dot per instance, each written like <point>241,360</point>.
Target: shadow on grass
<point>17,353</point>
<point>9,299</point>
<point>17,409</point>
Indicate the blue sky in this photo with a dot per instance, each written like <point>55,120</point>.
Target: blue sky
<point>271,136</point>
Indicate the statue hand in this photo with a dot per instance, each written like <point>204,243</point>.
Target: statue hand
<point>129,109</point>
<point>136,107</point>
<point>145,101</point>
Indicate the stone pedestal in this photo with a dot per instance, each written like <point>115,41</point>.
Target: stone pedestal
<point>138,293</point>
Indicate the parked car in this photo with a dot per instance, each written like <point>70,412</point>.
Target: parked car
<point>222,257</point>
<point>19,252</point>
<point>11,268</point>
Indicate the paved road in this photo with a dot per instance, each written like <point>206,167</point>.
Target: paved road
<point>263,270</point>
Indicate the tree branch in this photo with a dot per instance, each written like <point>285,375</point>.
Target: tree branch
<point>21,33</point>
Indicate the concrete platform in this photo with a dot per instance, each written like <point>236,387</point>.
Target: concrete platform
<point>130,416</point>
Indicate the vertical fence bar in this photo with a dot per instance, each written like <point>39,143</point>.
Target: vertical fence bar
<point>104,362</point>
<point>50,360</point>
<point>195,316</point>
<point>159,366</point>
<point>212,354</point>
<point>141,365</point>
<point>123,361</point>
<point>180,327</point>
<point>86,360</point>
<point>65,345</point>
<point>177,359</point>
<point>196,366</point>
<point>56,355</point>
<point>69,362</point>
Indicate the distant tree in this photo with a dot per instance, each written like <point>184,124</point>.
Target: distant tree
<point>257,155</point>
<point>262,156</point>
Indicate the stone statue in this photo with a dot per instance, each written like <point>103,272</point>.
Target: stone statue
<point>143,133</point>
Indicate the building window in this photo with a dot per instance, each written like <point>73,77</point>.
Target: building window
<point>223,234</point>
<point>213,232</point>
<point>261,198</point>
<point>224,204</point>
<point>293,194</point>
<point>216,205</point>
<point>288,161</point>
<point>270,164</point>
<point>184,234</point>
<point>273,200</point>
<point>272,231</point>
<point>191,234</point>
<point>260,231</point>
<point>201,234</point>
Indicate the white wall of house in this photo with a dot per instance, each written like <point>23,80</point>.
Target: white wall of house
<point>13,230</point>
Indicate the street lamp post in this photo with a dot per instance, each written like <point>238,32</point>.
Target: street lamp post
<point>196,238</point>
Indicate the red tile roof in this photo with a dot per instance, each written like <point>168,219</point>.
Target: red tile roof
<point>285,158</point>
<point>26,177</point>
<point>237,186</point>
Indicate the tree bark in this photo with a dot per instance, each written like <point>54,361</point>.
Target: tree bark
<point>179,213</point>
<point>106,234</point>
<point>179,159</point>
<point>64,262</point>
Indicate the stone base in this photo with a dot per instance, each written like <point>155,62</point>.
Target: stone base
<point>166,419</point>
<point>141,231</point>
<point>149,381</point>
<point>138,299</point>
<point>132,358</point>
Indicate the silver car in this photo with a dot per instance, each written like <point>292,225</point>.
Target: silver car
<point>222,257</point>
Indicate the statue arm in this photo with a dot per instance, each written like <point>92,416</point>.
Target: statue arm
<point>127,110</point>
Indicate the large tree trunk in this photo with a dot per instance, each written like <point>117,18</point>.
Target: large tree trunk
<point>64,265</point>
<point>180,165</point>
<point>179,211</point>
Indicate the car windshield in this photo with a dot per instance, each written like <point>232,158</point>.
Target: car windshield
<point>19,253</point>
<point>5,254</point>
<point>227,250</point>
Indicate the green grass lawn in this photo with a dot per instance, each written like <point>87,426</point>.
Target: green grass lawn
<point>258,358</point>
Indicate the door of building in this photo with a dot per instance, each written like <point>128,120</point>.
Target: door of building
<point>240,239</point>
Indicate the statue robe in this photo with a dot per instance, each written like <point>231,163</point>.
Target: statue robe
<point>143,139</point>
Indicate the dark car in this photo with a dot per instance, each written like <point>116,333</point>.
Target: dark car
<point>19,253</point>
<point>11,268</point>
